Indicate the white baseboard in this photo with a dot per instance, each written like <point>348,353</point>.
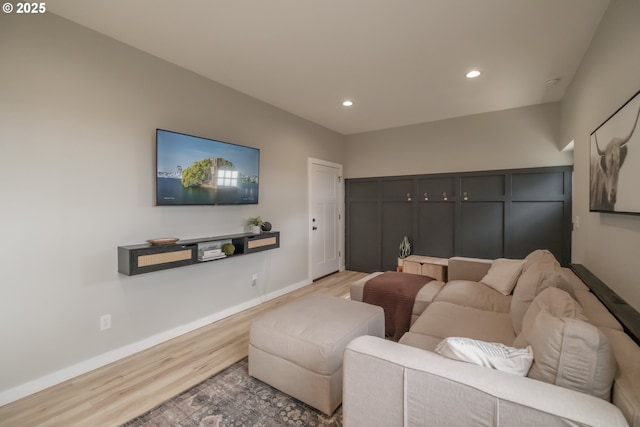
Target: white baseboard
<point>104,359</point>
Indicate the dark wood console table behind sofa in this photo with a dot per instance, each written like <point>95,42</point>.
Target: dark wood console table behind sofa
<point>626,315</point>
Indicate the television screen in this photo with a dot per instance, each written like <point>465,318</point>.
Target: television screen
<point>198,171</point>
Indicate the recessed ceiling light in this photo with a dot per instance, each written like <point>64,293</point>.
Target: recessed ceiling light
<point>347,103</point>
<point>473,74</point>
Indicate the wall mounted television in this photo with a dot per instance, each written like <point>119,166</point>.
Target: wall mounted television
<point>191,170</point>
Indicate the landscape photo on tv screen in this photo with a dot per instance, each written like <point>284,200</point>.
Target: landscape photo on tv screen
<point>199,171</point>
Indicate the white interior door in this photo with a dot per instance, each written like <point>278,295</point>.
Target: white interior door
<point>325,217</point>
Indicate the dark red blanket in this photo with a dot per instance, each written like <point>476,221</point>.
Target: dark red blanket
<point>395,293</point>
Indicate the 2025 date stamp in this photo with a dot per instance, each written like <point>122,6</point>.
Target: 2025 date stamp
<point>24,8</point>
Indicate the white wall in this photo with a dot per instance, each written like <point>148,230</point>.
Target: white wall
<point>607,244</point>
<point>77,164</point>
<point>516,138</point>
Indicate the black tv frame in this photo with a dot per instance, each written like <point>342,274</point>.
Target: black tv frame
<point>207,193</point>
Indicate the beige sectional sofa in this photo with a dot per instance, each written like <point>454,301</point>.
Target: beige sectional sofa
<point>585,370</point>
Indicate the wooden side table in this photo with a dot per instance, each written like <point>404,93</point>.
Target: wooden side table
<point>426,266</point>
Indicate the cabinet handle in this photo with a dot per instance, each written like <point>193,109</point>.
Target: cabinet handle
<point>444,196</point>
<point>465,196</point>
<point>408,197</point>
<point>426,196</point>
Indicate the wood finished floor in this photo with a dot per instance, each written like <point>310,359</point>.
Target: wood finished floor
<point>119,392</point>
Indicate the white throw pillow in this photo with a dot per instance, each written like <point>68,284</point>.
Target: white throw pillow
<point>492,355</point>
<point>503,274</point>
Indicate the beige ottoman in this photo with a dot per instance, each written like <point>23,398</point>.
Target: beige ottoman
<point>298,348</point>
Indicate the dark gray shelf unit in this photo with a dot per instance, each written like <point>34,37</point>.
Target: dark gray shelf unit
<point>133,259</point>
<point>484,214</point>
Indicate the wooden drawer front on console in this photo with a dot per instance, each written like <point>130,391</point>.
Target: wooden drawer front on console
<point>163,258</point>
<point>261,242</point>
<point>411,267</point>
<point>145,260</point>
<point>426,266</point>
<point>254,244</point>
<point>438,272</point>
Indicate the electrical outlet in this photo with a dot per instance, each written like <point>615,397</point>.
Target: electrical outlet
<point>105,322</point>
<point>254,279</point>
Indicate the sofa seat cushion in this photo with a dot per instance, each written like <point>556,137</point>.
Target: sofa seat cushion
<point>444,319</point>
<point>569,351</point>
<point>425,342</point>
<point>474,294</point>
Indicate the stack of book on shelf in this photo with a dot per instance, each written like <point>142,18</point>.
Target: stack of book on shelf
<point>211,254</point>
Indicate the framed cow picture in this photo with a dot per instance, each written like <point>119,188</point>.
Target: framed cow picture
<point>615,162</point>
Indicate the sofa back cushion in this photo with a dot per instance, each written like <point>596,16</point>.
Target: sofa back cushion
<point>568,350</point>
<point>537,256</point>
<point>534,279</point>
<point>474,294</point>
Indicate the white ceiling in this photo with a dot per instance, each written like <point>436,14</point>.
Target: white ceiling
<point>401,61</point>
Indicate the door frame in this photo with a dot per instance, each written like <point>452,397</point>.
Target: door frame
<point>341,229</point>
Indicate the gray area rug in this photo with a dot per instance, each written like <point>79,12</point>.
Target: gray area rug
<point>233,398</point>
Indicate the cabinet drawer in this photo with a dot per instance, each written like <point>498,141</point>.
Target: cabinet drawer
<point>426,266</point>
<point>148,259</point>
<point>438,272</point>
<point>411,267</point>
<point>261,242</point>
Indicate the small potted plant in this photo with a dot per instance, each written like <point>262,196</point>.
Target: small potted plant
<point>255,224</point>
<point>405,251</point>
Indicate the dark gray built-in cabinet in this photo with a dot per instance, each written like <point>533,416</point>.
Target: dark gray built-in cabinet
<point>488,214</point>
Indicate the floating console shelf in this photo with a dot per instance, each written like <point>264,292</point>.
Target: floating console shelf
<point>145,258</point>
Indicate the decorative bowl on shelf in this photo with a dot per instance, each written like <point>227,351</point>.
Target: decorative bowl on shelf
<point>163,241</point>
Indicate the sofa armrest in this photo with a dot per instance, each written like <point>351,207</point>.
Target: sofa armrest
<point>386,383</point>
<point>357,288</point>
<point>473,269</point>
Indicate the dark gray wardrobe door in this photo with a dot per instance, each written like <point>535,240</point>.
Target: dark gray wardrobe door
<point>436,229</point>
<point>482,230</point>
<point>540,214</point>
<point>364,236</point>
<point>363,226</point>
<point>397,222</point>
<point>538,226</point>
